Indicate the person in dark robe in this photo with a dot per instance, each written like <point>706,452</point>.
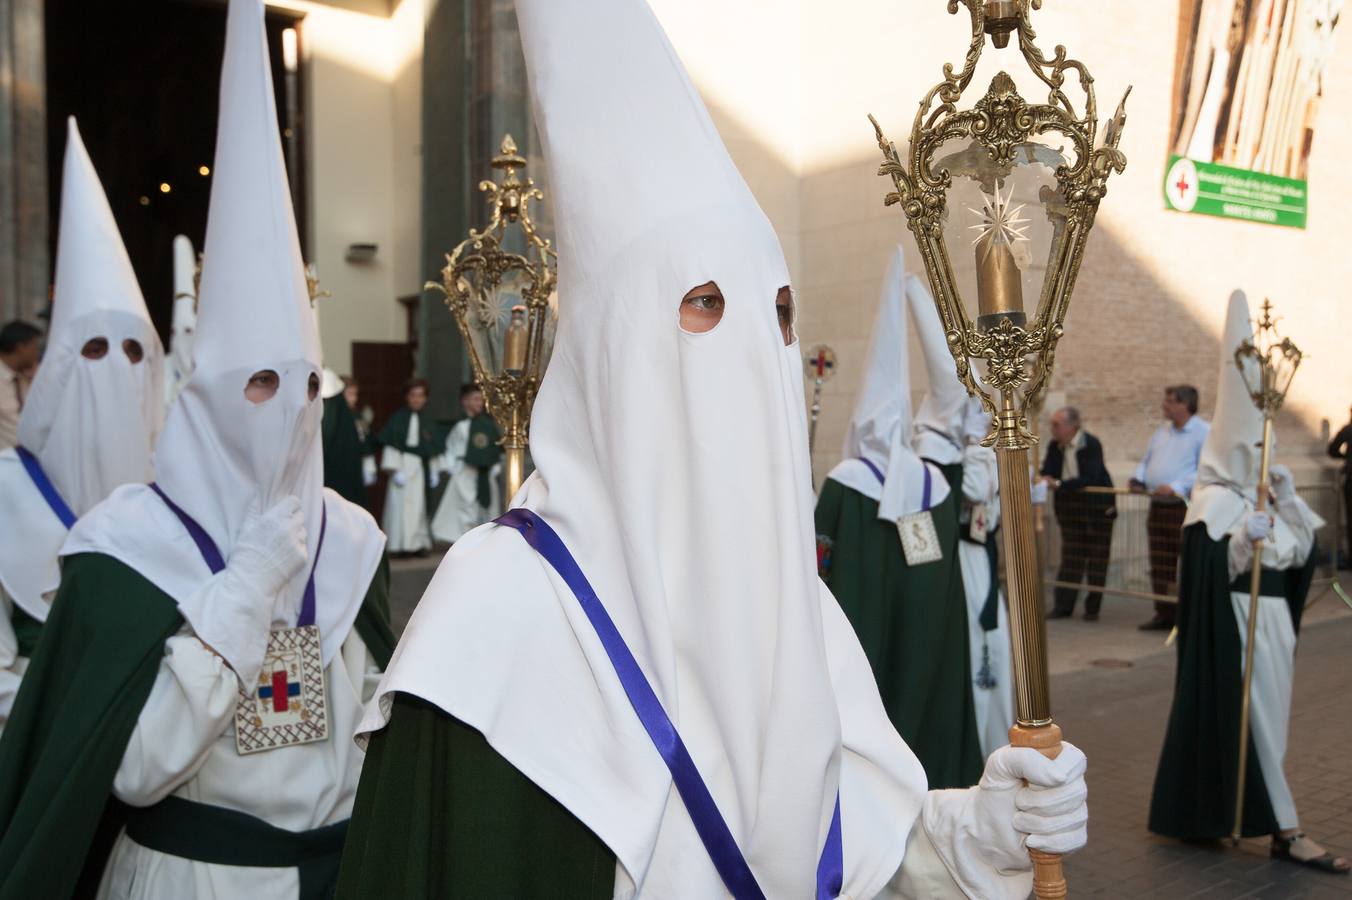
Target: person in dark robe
<point>1073,463</point>
<point>1196,784</point>
<point>344,451</point>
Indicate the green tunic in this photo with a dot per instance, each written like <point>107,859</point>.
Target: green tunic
<point>1194,794</point>
<point>431,437</point>
<point>912,623</point>
<point>81,696</point>
<point>440,814</point>
<point>343,451</point>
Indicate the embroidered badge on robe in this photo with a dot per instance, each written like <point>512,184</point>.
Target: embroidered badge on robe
<point>979,526</point>
<point>824,546</point>
<point>919,538</point>
<point>287,705</point>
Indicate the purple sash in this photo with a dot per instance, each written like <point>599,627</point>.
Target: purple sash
<point>709,823</point>
<point>46,488</point>
<point>925,499</point>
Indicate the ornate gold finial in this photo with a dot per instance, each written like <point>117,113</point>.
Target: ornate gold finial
<point>501,303</point>
<point>312,285</point>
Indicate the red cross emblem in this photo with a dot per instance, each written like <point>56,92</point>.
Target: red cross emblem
<point>280,691</point>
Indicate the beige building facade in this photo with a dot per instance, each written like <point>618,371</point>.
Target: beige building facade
<point>791,84</point>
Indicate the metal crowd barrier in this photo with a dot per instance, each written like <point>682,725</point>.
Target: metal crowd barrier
<point>1118,550</point>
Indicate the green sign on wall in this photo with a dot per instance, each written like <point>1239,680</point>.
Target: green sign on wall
<point>1213,190</point>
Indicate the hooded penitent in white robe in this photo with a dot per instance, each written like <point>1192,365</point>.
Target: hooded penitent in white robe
<point>948,429</point>
<point>707,570</point>
<point>992,673</point>
<point>1226,493</point>
<point>88,423</point>
<point>881,428</point>
<point>178,363</point>
<point>220,457</point>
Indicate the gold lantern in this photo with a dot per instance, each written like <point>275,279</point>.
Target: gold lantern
<point>505,303</point>
<point>1267,362</point>
<point>1001,197</point>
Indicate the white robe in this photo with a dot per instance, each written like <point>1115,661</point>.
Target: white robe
<point>30,538</point>
<point>459,509</point>
<point>994,706</point>
<point>405,518</point>
<point>1274,652</point>
<point>184,745</point>
<point>12,665</point>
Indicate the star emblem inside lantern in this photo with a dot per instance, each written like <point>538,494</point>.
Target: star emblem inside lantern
<point>1000,223</point>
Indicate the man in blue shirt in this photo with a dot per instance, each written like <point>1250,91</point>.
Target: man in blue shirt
<point>1167,472</point>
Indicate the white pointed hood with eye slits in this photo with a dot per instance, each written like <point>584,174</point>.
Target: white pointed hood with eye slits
<point>881,427</point>
<point>1231,460</point>
<point>221,455</point>
<point>91,423</point>
<point>707,567</point>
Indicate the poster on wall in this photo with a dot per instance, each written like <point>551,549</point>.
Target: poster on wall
<point>1249,79</point>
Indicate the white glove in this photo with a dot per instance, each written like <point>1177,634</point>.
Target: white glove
<point>1283,486</point>
<point>270,549</point>
<point>232,612</point>
<point>369,473</point>
<point>436,478</point>
<point>1024,800</point>
<point>399,478</point>
<point>1258,526</point>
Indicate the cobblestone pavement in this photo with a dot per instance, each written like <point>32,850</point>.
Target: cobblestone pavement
<point>1117,717</point>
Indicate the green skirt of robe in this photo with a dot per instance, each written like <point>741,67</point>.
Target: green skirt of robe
<point>81,696</point>
<point>440,814</point>
<point>1194,794</point>
<point>912,623</point>
<point>342,451</point>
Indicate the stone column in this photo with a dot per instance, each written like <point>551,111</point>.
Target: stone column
<point>474,92</point>
<point>25,273</point>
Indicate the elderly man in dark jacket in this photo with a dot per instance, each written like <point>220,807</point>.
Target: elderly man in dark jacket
<point>1075,462</point>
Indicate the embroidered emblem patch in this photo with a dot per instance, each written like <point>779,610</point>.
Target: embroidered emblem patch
<point>979,527</point>
<point>824,545</point>
<point>919,539</point>
<point>287,705</point>
<point>481,440</point>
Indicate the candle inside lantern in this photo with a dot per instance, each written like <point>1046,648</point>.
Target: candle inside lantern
<point>514,343</point>
<point>999,282</point>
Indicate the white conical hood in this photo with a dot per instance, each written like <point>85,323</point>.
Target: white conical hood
<point>882,410</point>
<point>1232,454</point>
<point>880,428</point>
<point>220,454</point>
<point>939,421</point>
<point>183,325</point>
<point>92,422</point>
<point>708,569</point>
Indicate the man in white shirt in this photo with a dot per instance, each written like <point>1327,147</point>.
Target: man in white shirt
<point>20,346</point>
<point>1167,472</point>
